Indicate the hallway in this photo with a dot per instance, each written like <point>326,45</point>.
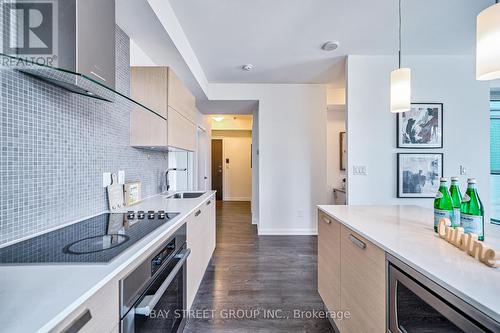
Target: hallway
<point>266,276</point>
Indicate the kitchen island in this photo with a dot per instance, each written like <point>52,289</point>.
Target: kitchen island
<point>360,238</point>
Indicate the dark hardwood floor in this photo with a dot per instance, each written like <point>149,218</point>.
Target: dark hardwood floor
<point>253,278</point>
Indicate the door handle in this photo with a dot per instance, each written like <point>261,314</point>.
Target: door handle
<point>326,220</point>
<point>197,213</point>
<point>150,301</point>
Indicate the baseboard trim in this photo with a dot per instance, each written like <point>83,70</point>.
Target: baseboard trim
<point>287,232</point>
<point>255,221</point>
<point>237,199</point>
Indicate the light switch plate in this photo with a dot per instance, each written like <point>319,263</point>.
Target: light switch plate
<point>359,170</point>
<point>121,177</point>
<point>106,179</point>
<point>463,170</point>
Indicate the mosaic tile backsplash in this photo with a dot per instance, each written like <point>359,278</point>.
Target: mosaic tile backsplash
<point>55,146</point>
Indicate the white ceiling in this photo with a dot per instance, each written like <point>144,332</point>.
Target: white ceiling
<point>282,38</point>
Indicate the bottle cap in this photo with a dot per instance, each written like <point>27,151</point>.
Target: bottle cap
<point>443,179</point>
<point>454,179</point>
<point>471,180</point>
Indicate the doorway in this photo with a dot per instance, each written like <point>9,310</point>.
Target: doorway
<point>217,168</point>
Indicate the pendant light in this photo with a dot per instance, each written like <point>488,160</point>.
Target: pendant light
<point>400,82</point>
<point>488,43</point>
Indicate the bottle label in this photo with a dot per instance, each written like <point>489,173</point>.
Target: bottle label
<point>439,214</point>
<point>455,220</point>
<point>472,224</point>
<point>439,195</point>
<point>466,198</point>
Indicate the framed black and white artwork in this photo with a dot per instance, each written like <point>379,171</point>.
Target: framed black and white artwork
<point>421,127</point>
<point>418,174</point>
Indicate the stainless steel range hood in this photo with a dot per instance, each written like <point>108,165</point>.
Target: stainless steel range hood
<point>84,48</point>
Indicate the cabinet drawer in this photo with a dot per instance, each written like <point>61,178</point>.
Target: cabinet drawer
<point>363,283</point>
<point>98,314</point>
<point>329,262</point>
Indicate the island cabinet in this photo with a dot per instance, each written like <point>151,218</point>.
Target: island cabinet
<point>200,234</point>
<point>159,89</point>
<point>351,277</point>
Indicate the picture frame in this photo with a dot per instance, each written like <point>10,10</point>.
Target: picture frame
<point>418,174</point>
<point>421,127</point>
<point>343,151</point>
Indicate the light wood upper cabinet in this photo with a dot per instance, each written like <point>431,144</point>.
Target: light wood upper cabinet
<point>362,276</point>
<point>329,262</point>
<point>179,97</point>
<point>159,89</point>
<point>181,131</point>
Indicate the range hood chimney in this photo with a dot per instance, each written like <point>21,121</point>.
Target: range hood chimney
<point>84,47</point>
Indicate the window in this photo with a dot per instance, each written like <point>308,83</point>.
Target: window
<point>495,160</point>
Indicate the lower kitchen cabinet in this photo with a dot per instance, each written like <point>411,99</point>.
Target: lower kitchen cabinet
<point>201,240</point>
<point>329,262</point>
<point>362,276</point>
<point>100,313</point>
<point>351,277</point>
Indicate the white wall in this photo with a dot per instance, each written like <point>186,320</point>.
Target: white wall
<point>292,159</point>
<point>335,124</point>
<point>255,168</point>
<point>371,128</point>
<point>237,174</point>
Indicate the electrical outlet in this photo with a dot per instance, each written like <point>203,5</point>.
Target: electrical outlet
<point>106,179</point>
<point>463,170</point>
<point>359,170</point>
<point>121,177</point>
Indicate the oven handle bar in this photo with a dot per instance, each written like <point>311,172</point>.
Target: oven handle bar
<point>149,301</point>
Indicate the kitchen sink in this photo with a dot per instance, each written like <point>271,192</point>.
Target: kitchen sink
<point>186,195</point>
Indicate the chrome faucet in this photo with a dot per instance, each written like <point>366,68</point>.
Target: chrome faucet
<point>166,175</point>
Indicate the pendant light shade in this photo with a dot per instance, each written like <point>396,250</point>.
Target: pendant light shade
<point>400,81</point>
<point>401,90</point>
<point>488,44</point>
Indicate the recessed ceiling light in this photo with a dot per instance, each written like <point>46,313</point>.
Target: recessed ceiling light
<point>329,46</point>
<point>217,119</point>
<point>247,67</point>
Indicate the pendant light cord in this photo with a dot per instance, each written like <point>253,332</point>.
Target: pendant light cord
<point>400,31</point>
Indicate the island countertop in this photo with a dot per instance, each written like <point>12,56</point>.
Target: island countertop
<point>406,232</point>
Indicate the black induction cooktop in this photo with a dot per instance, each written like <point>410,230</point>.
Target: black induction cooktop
<point>95,240</point>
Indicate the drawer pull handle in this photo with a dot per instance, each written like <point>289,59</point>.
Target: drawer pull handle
<point>326,220</point>
<point>209,202</point>
<point>197,213</point>
<point>357,242</point>
<point>77,324</point>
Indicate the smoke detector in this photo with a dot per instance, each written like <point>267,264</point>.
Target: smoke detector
<point>247,67</point>
<point>329,46</point>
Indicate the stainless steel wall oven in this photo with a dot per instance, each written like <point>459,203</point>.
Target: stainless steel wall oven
<point>153,296</point>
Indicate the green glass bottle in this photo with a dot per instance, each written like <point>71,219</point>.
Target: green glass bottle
<point>443,206</point>
<point>472,211</point>
<point>456,198</point>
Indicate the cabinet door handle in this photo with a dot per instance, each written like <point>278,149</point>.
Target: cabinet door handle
<point>197,213</point>
<point>77,324</point>
<point>359,243</point>
<point>326,220</point>
<point>209,202</point>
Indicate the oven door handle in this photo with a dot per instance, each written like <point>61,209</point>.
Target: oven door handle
<point>150,301</point>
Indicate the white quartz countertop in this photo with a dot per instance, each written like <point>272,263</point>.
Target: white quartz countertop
<point>35,298</point>
<point>406,232</point>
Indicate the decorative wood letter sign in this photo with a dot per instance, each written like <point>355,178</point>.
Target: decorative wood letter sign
<point>467,243</point>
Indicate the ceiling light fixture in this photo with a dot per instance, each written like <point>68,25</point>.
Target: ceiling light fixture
<point>400,81</point>
<point>488,43</point>
<point>247,67</point>
<point>218,118</point>
<point>329,46</point>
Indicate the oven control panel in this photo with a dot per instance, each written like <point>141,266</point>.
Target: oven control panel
<point>162,256</point>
